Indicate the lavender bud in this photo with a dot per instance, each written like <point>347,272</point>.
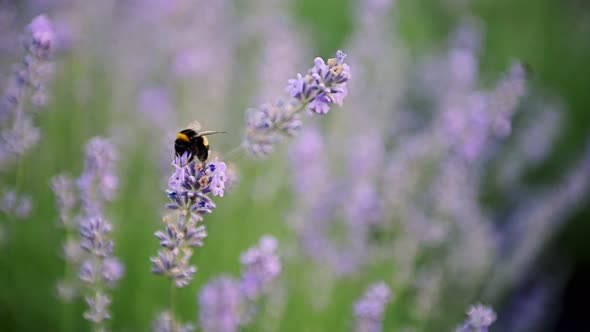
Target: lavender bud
<point>369,310</point>
<point>97,308</point>
<point>261,266</point>
<point>88,273</point>
<point>480,319</point>
<point>112,270</point>
<point>43,37</point>
<point>98,182</point>
<point>166,323</point>
<point>63,189</point>
<point>220,305</point>
<point>13,204</point>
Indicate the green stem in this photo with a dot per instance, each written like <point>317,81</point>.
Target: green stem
<point>172,293</point>
<point>295,111</point>
<point>67,314</point>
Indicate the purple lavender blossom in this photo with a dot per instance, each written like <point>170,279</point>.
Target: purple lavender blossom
<point>97,308</point>
<point>27,84</point>
<point>21,137</point>
<point>42,37</point>
<point>16,205</point>
<point>308,164</point>
<point>261,266</point>
<point>369,310</point>
<point>267,125</point>
<point>221,305</point>
<point>218,179</point>
<point>226,303</point>
<point>505,99</point>
<point>473,118</point>
<point>189,188</point>
<point>100,268</point>
<point>98,182</point>
<point>154,104</point>
<point>91,253</point>
<point>479,320</point>
<point>324,85</point>
<point>63,189</point>
<point>166,323</point>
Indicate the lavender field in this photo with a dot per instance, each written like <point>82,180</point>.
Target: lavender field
<point>385,165</point>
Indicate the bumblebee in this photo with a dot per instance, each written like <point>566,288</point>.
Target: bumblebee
<point>193,142</point>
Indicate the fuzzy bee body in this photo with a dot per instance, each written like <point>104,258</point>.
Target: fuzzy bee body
<point>193,142</point>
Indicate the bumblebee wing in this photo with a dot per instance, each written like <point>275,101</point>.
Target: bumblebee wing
<point>210,132</point>
<point>194,125</point>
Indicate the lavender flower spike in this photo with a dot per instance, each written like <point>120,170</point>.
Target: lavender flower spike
<point>42,37</point>
<point>189,189</point>
<point>27,83</point>
<point>261,267</point>
<point>63,189</point>
<point>221,306</point>
<point>325,84</point>
<point>11,203</point>
<point>100,269</point>
<point>98,182</point>
<point>479,320</point>
<point>226,304</point>
<point>166,323</point>
<point>369,310</point>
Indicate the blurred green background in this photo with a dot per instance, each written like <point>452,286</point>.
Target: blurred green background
<point>550,36</point>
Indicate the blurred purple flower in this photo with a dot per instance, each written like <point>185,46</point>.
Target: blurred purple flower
<point>21,137</point>
<point>369,310</point>
<point>479,320</point>
<point>29,80</point>
<point>166,323</point>
<point>267,125</point>
<point>112,270</point>
<point>220,305</point>
<point>261,265</point>
<point>333,216</point>
<point>98,182</point>
<point>472,118</point>
<point>308,164</point>
<point>72,253</point>
<point>227,304</point>
<point>99,268</point>
<point>43,37</point>
<point>154,104</point>
<point>97,308</point>
<point>92,252</point>
<point>63,189</point>
<point>16,205</point>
